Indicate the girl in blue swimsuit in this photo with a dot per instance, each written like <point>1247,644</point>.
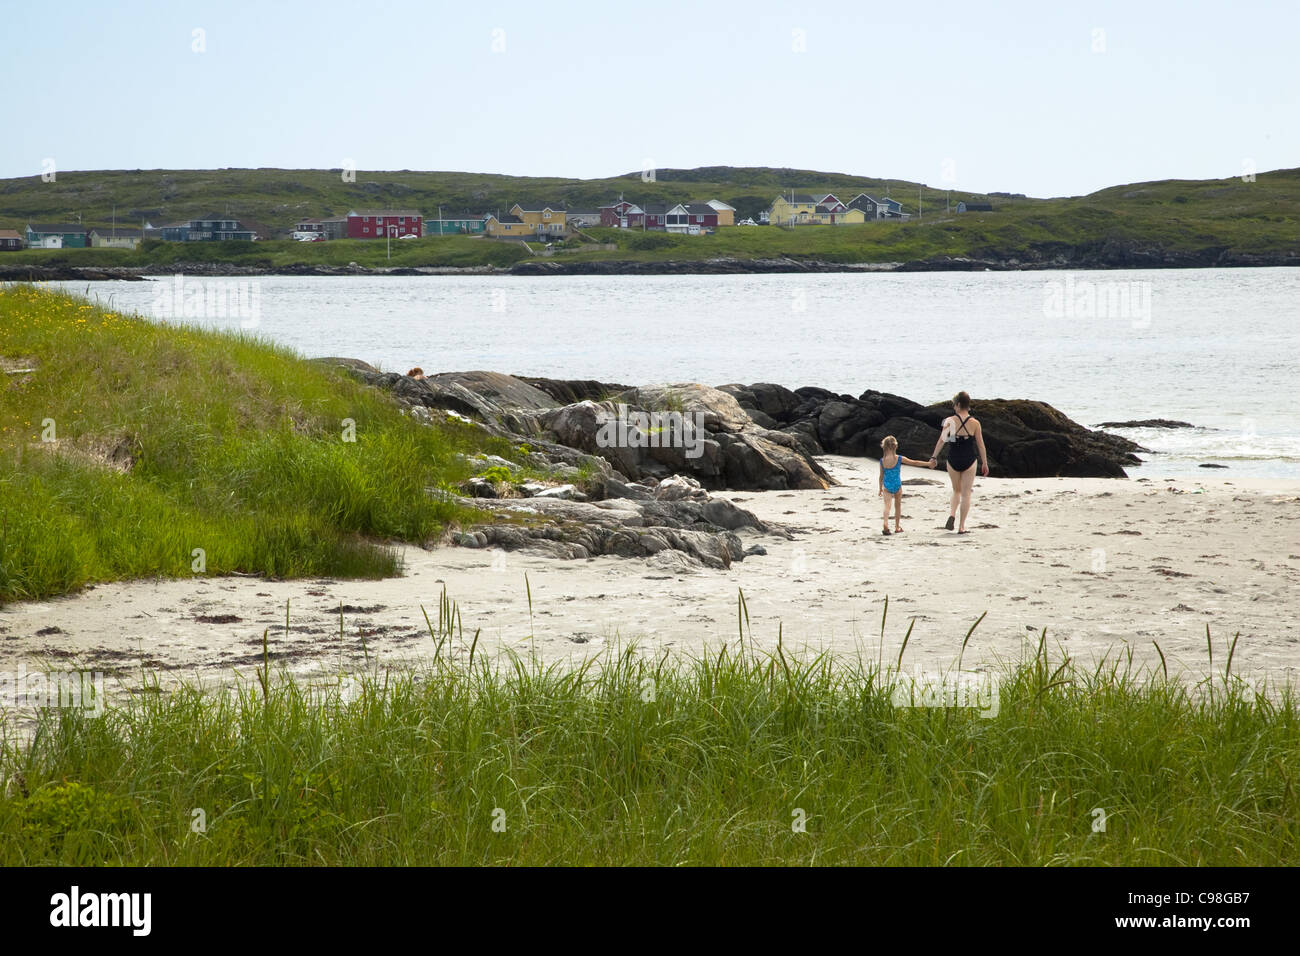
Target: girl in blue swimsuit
<point>891,480</point>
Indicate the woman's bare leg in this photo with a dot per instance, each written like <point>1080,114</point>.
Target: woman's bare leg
<point>967,485</point>
<point>955,477</point>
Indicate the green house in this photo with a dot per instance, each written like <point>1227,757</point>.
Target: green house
<point>456,225</point>
<point>56,235</point>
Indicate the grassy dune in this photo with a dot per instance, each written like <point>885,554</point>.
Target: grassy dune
<point>133,443</point>
<point>728,758</point>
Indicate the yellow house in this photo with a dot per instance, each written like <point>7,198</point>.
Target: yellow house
<point>803,209</point>
<point>726,213</point>
<point>543,222</point>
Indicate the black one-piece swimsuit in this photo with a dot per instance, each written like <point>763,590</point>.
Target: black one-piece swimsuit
<point>962,454</point>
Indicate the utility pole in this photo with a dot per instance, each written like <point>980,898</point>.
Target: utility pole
<point>918,203</point>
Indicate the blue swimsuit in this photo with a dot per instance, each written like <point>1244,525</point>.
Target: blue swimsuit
<point>892,477</point>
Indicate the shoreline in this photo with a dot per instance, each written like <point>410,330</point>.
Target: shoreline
<point>1107,568</point>
<point>549,266</point>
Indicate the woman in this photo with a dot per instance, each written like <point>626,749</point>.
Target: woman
<point>965,435</point>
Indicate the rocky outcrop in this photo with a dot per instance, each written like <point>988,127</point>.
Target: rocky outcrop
<point>1025,439</point>
<point>693,430</point>
<point>675,524</point>
<point>1148,423</point>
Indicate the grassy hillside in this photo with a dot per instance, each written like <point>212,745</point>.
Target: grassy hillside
<point>130,444</point>
<point>277,198</point>
<point>1260,218</point>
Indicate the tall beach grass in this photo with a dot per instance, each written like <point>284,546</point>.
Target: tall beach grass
<point>728,757</point>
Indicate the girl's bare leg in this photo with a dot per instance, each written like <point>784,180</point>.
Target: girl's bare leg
<point>885,498</point>
<point>898,511</point>
<point>967,485</point>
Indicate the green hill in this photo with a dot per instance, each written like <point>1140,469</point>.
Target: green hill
<point>1171,222</point>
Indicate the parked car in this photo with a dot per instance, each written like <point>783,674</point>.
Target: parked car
<point>746,222</point>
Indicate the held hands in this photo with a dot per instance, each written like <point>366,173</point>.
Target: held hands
<point>933,463</point>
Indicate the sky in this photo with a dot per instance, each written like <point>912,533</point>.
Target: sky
<point>1045,98</point>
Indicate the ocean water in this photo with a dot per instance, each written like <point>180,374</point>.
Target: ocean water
<point>1215,347</point>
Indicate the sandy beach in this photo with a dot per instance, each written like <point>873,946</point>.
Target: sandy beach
<point>1107,566</point>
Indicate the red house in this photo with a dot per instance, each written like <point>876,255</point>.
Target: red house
<point>622,214</point>
<point>701,214</point>
<point>378,223</point>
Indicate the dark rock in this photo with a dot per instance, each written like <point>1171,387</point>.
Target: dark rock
<point>1148,423</point>
<point>916,439</point>
<point>1211,465</point>
<point>1028,439</point>
<point>572,391</point>
<point>703,533</point>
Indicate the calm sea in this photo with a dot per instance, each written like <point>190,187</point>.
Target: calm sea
<point>1217,348</point>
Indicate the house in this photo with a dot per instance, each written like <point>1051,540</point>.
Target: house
<point>974,206</point>
<point>871,208</point>
<point>214,228</point>
<point>508,227</point>
<point>335,227</point>
<point>701,215</point>
<point>726,214</point>
<point>466,224</point>
<point>308,229</point>
<point>56,236</point>
<point>802,209</point>
<point>675,218</point>
<point>383,223</point>
<point>174,231</point>
<point>115,237</point>
<point>9,239</point>
<point>547,220</point>
<point>665,217</point>
<point>622,215</point>
<point>894,210</point>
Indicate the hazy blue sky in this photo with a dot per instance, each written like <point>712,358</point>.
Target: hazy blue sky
<point>1025,97</point>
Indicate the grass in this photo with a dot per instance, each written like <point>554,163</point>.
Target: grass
<point>730,757</point>
<point>178,451</point>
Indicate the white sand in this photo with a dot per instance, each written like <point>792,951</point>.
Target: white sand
<point>1105,565</point>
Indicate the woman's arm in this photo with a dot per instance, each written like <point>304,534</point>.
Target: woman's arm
<point>979,443</point>
<point>939,444</point>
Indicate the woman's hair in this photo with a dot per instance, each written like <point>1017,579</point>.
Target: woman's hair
<point>889,443</point>
<point>962,400</point>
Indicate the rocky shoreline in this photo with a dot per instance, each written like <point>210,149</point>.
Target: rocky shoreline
<point>613,469</point>
<point>1098,256</point>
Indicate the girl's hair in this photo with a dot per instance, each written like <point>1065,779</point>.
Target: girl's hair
<point>962,400</point>
<point>889,443</point>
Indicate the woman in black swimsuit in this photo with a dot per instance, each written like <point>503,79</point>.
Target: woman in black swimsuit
<point>966,436</point>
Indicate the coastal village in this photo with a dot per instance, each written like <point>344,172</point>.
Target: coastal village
<point>540,222</point>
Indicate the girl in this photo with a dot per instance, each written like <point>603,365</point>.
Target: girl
<point>891,480</point>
